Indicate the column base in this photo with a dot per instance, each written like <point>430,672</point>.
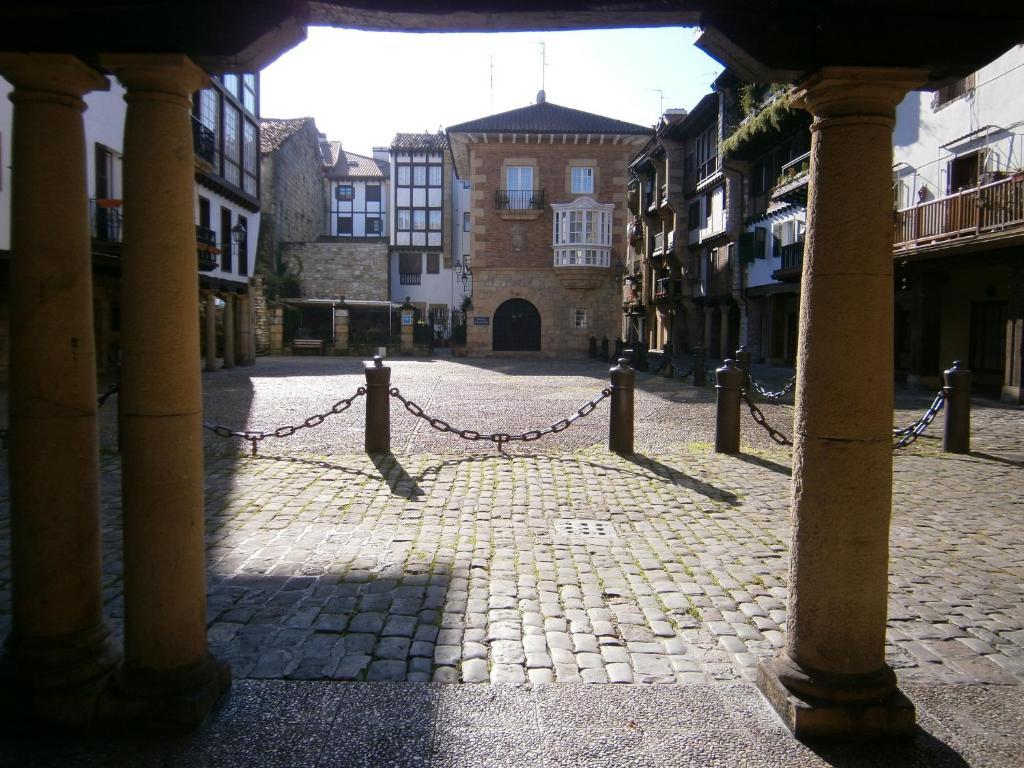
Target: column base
<point>57,680</point>
<point>1012,394</point>
<point>845,707</point>
<point>174,699</point>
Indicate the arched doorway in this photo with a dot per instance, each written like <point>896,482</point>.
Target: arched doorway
<point>516,327</point>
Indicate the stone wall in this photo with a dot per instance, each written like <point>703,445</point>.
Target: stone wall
<point>513,255</point>
<point>293,195</point>
<point>260,320</point>
<point>330,270</point>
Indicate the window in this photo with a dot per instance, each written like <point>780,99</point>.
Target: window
<point>433,263</point>
<point>225,239</point>
<point>209,113</point>
<point>373,193</point>
<point>707,152</point>
<point>403,175</point>
<point>249,92</point>
<point>373,226</point>
<point>204,212</point>
<point>465,221</point>
<point>230,84</point>
<point>243,247</point>
<point>435,220</point>
<point>583,179</point>
<point>580,317</point>
<point>344,192</point>
<point>232,149</point>
<point>953,91</point>
<point>404,219</point>
<point>519,177</point>
<point>419,219</point>
<point>693,215</point>
<point>410,266</point>
<point>249,158</point>
<point>587,227</point>
<point>435,175</point>
<point>344,225</point>
<point>419,175</point>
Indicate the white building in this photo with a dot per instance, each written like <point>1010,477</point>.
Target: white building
<point>358,192</point>
<point>958,191</point>
<point>424,240</point>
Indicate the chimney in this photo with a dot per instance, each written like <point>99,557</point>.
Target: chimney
<point>541,97</point>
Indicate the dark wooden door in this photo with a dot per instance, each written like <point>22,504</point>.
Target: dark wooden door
<point>517,327</point>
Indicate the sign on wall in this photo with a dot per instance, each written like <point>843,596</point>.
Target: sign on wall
<point>406,319</point>
<point>481,321</point>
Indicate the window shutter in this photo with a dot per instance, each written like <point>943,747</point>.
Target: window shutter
<point>747,247</point>
<point>760,242</point>
<point>410,263</point>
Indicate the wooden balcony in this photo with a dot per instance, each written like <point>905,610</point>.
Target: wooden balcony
<point>987,210</point>
<point>792,256</point>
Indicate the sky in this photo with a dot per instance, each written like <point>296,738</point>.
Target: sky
<point>364,87</point>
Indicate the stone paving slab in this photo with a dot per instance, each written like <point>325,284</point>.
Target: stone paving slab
<point>341,725</point>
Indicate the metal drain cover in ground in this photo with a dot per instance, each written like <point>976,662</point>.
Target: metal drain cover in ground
<point>586,528</point>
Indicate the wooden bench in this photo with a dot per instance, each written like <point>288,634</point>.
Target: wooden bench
<point>316,344</point>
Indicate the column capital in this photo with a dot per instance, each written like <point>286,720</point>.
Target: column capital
<point>846,91</point>
<point>56,73</point>
<point>173,73</point>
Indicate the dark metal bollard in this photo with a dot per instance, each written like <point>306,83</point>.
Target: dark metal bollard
<point>727,418</point>
<point>743,360</point>
<point>604,348</point>
<point>699,378</point>
<point>378,407</point>
<point>620,423</point>
<point>956,438</point>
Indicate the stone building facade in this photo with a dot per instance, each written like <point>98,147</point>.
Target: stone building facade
<point>331,270</point>
<point>548,220</point>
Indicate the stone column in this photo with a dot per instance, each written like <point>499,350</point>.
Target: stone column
<point>832,677</point>
<point>211,331</point>
<point>1013,374</point>
<point>276,319</point>
<point>709,313</point>
<point>229,330</point>
<point>58,638</point>
<point>246,346</point>
<point>407,316</point>
<point>341,331</point>
<point>723,338</point>
<point>168,673</point>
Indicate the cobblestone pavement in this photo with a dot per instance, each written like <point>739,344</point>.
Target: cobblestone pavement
<point>562,562</point>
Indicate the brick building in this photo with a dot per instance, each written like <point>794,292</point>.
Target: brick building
<point>548,219</point>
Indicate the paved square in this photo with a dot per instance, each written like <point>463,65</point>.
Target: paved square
<point>559,562</point>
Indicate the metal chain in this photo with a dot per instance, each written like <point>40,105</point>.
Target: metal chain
<point>113,389</point>
<point>500,438</point>
<point>768,395</point>
<point>906,435</point>
<point>758,415</point>
<point>254,436</point>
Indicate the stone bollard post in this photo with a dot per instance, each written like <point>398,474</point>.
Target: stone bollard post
<point>620,423</point>
<point>699,378</point>
<point>727,417</point>
<point>743,360</point>
<point>956,438</point>
<point>378,407</point>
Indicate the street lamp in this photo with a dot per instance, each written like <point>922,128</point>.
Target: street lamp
<point>463,271</point>
<point>238,236</point>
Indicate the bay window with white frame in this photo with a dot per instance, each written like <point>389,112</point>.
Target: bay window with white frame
<point>582,233</point>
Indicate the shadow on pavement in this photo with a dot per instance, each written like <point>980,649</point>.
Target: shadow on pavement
<point>676,477</point>
<point>920,749</point>
<point>759,461</point>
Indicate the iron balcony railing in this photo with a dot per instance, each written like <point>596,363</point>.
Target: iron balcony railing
<point>106,219</point>
<point>519,199</point>
<point>405,278</point>
<point>659,244</point>
<point>792,255</point>
<point>204,141</point>
<point>206,248</point>
<point>968,213</point>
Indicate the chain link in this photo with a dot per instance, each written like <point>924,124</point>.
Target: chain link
<point>758,415</point>
<point>113,389</point>
<point>254,437</point>
<point>772,397</point>
<point>906,435</point>
<point>499,438</point>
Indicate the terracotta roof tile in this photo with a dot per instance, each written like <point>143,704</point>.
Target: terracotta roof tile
<point>431,142</point>
<point>350,165</point>
<point>549,118</point>
<point>274,131</point>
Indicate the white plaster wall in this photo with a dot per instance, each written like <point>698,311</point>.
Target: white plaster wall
<point>252,224</point>
<point>924,140</point>
<point>434,289</point>
<point>759,271</point>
